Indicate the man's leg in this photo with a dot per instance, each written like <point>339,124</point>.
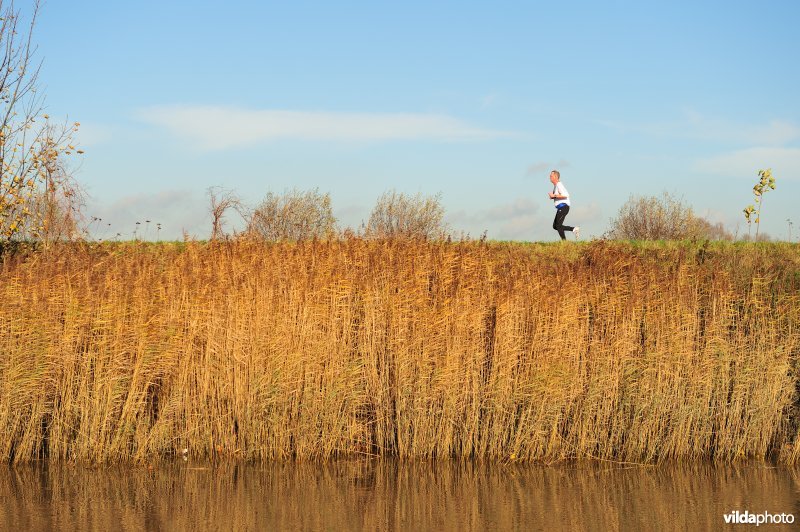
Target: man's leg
<point>558,223</point>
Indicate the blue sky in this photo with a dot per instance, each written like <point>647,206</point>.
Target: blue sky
<point>473,100</point>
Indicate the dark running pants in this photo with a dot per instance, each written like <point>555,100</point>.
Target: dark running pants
<point>558,223</point>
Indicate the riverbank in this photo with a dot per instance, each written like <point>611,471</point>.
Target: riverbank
<point>500,351</point>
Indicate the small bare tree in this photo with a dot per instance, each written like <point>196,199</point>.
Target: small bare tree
<point>398,215</point>
<point>660,218</point>
<point>293,215</point>
<point>34,184</point>
<point>221,201</point>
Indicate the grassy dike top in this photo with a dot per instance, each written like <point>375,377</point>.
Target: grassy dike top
<point>501,351</point>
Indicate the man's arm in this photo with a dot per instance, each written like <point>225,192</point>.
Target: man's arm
<point>557,195</point>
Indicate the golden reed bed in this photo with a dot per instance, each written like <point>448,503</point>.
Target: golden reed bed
<point>129,352</point>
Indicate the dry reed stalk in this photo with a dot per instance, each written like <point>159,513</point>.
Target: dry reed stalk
<point>410,349</point>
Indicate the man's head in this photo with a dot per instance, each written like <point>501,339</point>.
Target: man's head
<point>555,176</point>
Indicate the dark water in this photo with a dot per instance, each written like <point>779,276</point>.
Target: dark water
<point>387,495</point>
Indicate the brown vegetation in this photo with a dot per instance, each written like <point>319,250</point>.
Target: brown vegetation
<point>399,215</point>
<point>664,217</point>
<point>399,348</point>
<point>221,202</point>
<point>293,215</point>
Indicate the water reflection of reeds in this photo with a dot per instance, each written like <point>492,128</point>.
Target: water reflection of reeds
<point>390,495</point>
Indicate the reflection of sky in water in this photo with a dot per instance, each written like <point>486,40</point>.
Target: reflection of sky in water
<point>387,495</point>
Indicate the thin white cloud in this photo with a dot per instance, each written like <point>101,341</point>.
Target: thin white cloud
<point>773,133</point>
<point>537,168</point>
<point>693,125</point>
<point>544,166</point>
<point>174,210</point>
<point>89,135</point>
<point>219,128</point>
<point>515,220</point>
<point>589,213</point>
<point>489,101</point>
<point>498,213</point>
<point>785,162</point>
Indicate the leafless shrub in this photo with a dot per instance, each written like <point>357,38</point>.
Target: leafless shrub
<point>221,202</point>
<point>293,215</point>
<point>664,217</point>
<point>398,215</point>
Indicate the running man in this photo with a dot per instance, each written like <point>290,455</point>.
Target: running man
<point>560,198</point>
